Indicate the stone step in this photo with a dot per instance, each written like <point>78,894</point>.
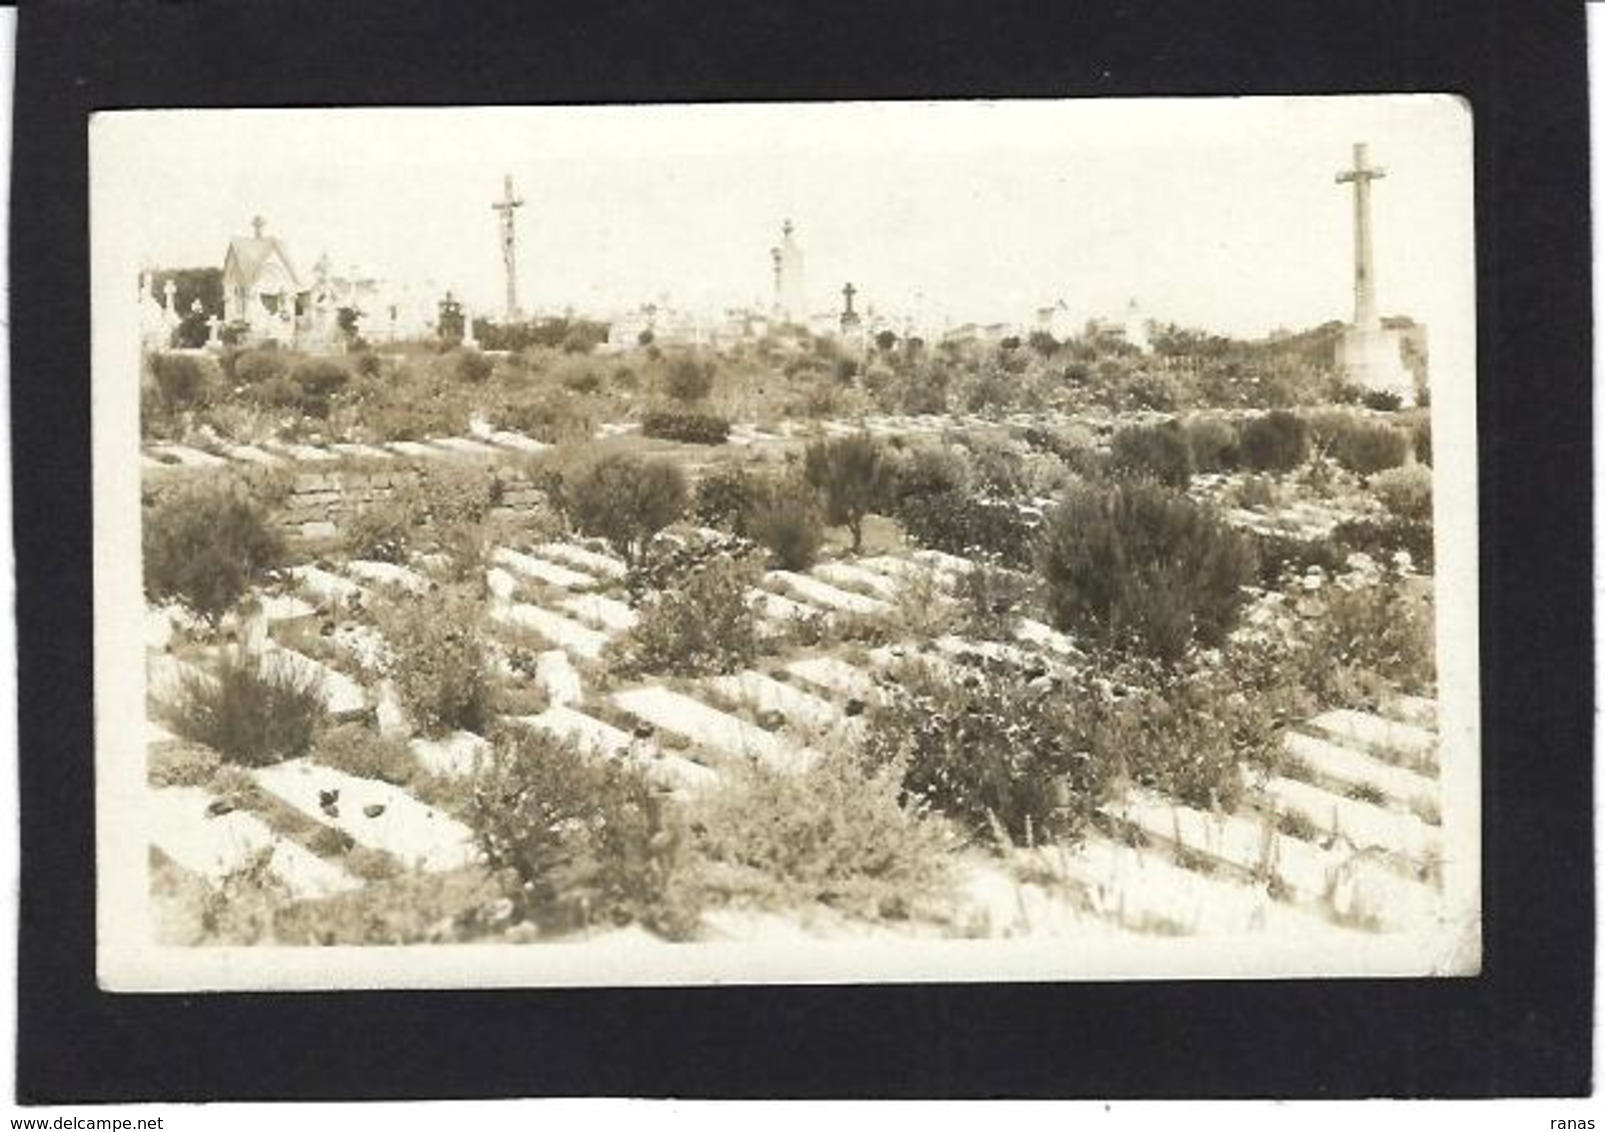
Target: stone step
<point>305,453</point>
<point>407,829</point>
<point>212,847</point>
<point>711,727</point>
<point>516,441</point>
<point>417,450</point>
<point>464,446</point>
<point>362,452</point>
<point>251,454</point>
<point>185,456</point>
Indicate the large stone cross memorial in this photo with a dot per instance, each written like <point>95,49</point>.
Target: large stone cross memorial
<point>1369,354</point>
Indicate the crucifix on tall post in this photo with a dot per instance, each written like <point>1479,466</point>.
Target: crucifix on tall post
<point>509,239</point>
<point>1365,293</point>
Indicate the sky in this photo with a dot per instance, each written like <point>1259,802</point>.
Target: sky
<point>1218,213</point>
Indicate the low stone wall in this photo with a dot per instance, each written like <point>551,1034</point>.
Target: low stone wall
<point>318,504</point>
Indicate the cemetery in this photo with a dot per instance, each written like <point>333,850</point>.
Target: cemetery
<point>517,630</point>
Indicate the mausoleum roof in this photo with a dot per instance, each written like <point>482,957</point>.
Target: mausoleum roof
<point>251,253</point>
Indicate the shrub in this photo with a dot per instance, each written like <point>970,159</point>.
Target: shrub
<point>1381,400</point>
<point>688,379</point>
<point>786,522</point>
<point>626,500</point>
<point>685,426</point>
<point>701,627</point>
<point>382,532</point>
<point>467,367</point>
<point>254,367</point>
<point>184,381</point>
<point>437,659</point>
<point>181,765</point>
<point>990,601</point>
<point>1139,567</point>
<point>1214,445</point>
<point>1406,492</point>
<point>831,834</point>
<point>1362,446</point>
<point>1277,442</point>
<point>1157,452</point>
<point>1381,540</point>
<point>317,380</point>
<point>1422,437</point>
<point>580,840</point>
<point>850,474</point>
<point>205,545</point>
<point>363,752</point>
<point>248,712</point>
<point>1377,628</point>
<point>726,497</point>
<point>970,525</point>
<point>552,416</point>
<point>991,752</point>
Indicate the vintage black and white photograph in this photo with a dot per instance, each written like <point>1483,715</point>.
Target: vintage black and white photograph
<point>785,543</point>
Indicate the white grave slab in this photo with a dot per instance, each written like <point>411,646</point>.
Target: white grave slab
<point>768,694</point>
<point>947,563</point>
<point>1045,637</point>
<point>828,596</point>
<point>583,558</point>
<point>1396,742</point>
<point>849,576</point>
<point>773,607</point>
<point>363,452</point>
<point>188,457</point>
<point>455,755</point>
<point>326,586</point>
<point>606,741</point>
<point>517,441</point>
<point>285,607</point>
<point>540,569</point>
<point>388,574</point>
<point>417,450</point>
<point>306,453</point>
<point>613,616</point>
<point>1361,824</point>
<point>341,694</point>
<point>463,446</point>
<point>556,675</point>
<point>1353,768</point>
<point>834,675</point>
<point>405,827</point>
<point>213,847</point>
<point>702,724</point>
<point>251,454</point>
<point>566,633</point>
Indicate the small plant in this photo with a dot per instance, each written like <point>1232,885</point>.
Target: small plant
<point>702,626</point>
<point>626,500</point>
<point>832,834</point>
<point>1295,823</point>
<point>359,750</point>
<point>248,712</point>
<point>1367,793</point>
<point>437,659</point>
<point>580,840</point>
<point>850,474</point>
<point>205,545</point>
<point>1381,400</point>
<point>182,765</point>
<point>685,426</point>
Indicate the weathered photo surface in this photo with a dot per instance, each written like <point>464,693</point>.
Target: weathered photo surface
<point>831,542</point>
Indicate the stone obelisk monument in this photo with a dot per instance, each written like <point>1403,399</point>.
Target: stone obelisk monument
<point>509,241</point>
<point>1369,354</point>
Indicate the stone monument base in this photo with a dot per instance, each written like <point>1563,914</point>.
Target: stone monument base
<point>1372,357</point>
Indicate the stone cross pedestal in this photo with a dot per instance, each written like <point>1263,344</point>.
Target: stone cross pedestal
<point>1369,355</point>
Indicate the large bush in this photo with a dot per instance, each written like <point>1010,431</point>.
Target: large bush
<point>580,840</point>
<point>849,472</point>
<point>1277,442</point>
<point>185,381</point>
<point>206,545</point>
<point>436,656</point>
<point>832,834</point>
<point>786,521</point>
<point>257,367</point>
<point>1138,567</point>
<point>1214,445</point>
<point>1157,452</point>
<point>991,752</point>
<point>688,379</point>
<point>317,380</point>
<point>997,530</point>
<point>700,626</point>
<point>250,712</point>
<point>685,426</point>
<point>1362,446</point>
<point>1406,492</point>
<point>626,500</point>
<point>727,495</point>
